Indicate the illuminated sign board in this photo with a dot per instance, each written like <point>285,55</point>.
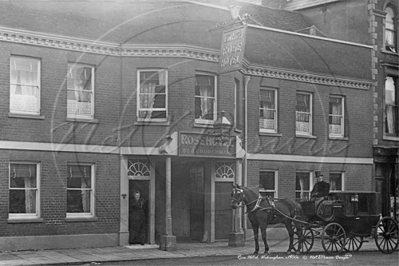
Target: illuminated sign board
<point>232,49</point>
<point>203,145</point>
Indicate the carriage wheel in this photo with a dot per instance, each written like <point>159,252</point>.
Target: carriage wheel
<point>386,235</point>
<point>333,238</point>
<point>353,243</point>
<point>306,240</point>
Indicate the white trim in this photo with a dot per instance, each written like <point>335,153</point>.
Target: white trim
<point>311,159</point>
<point>24,216</point>
<point>92,213</point>
<point>275,122</point>
<point>310,36</point>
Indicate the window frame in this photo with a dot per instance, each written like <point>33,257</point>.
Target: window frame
<point>311,184</point>
<point>275,190</point>
<point>90,214</point>
<point>139,108</point>
<point>310,113</point>
<point>393,31</point>
<point>330,115</point>
<point>395,80</point>
<point>275,124</point>
<point>24,216</point>
<point>92,98</point>
<point>342,176</point>
<point>38,85</point>
<point>215,105</point>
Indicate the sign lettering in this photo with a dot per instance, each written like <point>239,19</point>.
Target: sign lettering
<point>232,50</point>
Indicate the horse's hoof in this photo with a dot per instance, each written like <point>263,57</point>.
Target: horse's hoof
<point>297,253</point>
<point>266,253</point>
<point>255,253</point>
<point>289,252</point>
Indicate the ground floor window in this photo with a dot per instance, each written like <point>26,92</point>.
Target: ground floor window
<point>268,183</point>
<point>302,185</point>
<point>80,190</point>
<point>336,181</point>
<point>24,190</point>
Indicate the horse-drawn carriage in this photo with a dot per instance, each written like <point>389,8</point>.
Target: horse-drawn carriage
<point>341,220</point>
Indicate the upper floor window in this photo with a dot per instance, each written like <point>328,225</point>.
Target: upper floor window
<point>24,85</point>
<point>303,114</point>
<point>336,181</point>
<point>391,106</point>
<point>268,183</point>
<point>205,98</point>
<point>80,86</point>
<point>152,98</point>
<point>336,116</point>
<point>390,30</point>
<point>268,111</point>
<point>24,190</point>
<point>80,190</point>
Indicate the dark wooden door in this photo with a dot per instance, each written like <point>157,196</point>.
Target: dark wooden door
<point>197,202</point>
<point>223,210</point>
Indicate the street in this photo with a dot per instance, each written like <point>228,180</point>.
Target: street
<point>360,258</point>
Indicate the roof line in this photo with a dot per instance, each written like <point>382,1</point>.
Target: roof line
<point>310,36</point>
<point>206,4</point>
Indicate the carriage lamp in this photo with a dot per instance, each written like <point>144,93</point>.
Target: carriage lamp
<point>355,197</point>
<point>221,129</point>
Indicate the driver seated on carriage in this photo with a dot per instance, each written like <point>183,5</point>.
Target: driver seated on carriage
<point>320,190</point>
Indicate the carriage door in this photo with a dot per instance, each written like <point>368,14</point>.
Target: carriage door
<point>197,202</point>
<point>224,176</point>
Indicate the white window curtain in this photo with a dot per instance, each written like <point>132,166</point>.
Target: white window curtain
<point>303,107</point>
<point>390,105</point>
<point>206,95</point>
<point>147,93</point>
<point>336,110</point>
<point>85,192</point>
<point>389,29</point>
<point>24,85</point>
<point>79,179</point>
<point>28,174</point>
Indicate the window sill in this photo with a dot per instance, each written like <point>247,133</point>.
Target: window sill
<point>151,123</point>
<point>203,125</point>
<point>392,138</point>
<point>24,116</point>
<point>388,52</point>
<point>83,120</point>
<point>236,130</point>
<point>337,138</point>
<point>81,219</point>
<point>306,136</point>
<point>24,220</point>
<point>270,134</point>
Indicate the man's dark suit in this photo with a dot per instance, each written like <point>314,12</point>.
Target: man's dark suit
<point>320,189</point>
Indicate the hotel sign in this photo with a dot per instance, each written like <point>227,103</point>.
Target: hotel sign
<point>202,145</point>
<point>232,49</point>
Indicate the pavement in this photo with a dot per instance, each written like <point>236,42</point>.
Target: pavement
<point>93,256</point>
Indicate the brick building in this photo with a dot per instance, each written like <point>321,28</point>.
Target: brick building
<point>101,99</point>
<point>373,22</point>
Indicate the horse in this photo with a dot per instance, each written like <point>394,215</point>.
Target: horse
<point>263,211</point>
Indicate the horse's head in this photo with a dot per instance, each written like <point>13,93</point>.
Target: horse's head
<point>237,197</point>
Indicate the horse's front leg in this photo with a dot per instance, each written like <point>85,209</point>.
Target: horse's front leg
<point>255,228</point>
<point>263,230</point>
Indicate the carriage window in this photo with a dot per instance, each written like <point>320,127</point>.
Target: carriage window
<point>268,183</point>
<point>24,191</point>
<point>336,182</point>
<point>363,204</point>
<point>302,186</point>
<point>80,191</point>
